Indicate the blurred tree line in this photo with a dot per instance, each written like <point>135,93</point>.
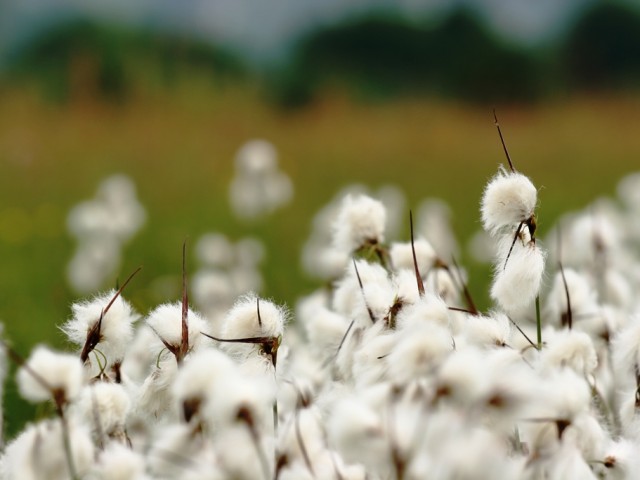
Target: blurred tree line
<point>374,57</point>
<point>86,58</point>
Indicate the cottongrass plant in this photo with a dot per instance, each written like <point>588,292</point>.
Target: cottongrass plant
<point>389,371</point>
<point>101,227</point>
<point>259,187</point>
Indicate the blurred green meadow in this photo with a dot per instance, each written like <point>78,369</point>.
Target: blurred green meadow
<point>178,146</point>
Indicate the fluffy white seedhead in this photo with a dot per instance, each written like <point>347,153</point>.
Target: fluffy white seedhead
<point>464,377</point>
<point>105,407</point>
<point>629,191</point>
<point>324,328</point>
<point>166,321</point>
<point>243,321</point>
<point>323,261</point>
<point>116,330</point>
<point>369,365</point>
<point>232,394</point>
<point>433,221</point>
<point>570,349</point>
<point>119,462</point>
<point>394,201</point>
<point>360,222</point>
<point>196,379</point>
<point>567,395</point>
<point>258,187</point>
<point>402,255</point>
<point>256,157</point>
<point>245,279</point>
<point>215,250</point>
<point>212,288</point>
<point>249,252</point>
<point>440,282</point>
<point>429,309</point>
<point>626,349</point>
<point>93,263</point>
<point>517,283</point>
<point>418,352</point>
<point>508,199</point>
<point>154,399</point>
<point>238,456</point>
<point>582,296</point>
<point>101,225</point>
<point>621,460</point>
<point>262,322</point>
<point>487,332</point>
<point>62,373</point>
<point>179,452</point>
<point>126,214</point>
<point>302,435</point>
<point>38,453</point>
<point>358,433</point>
<point>349,299</point>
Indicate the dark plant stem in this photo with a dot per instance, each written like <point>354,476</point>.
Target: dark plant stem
<point>538,322</point>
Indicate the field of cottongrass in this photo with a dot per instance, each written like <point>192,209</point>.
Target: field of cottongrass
<point>358,355</point>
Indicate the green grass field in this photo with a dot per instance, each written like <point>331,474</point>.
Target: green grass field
<point>179,148</point>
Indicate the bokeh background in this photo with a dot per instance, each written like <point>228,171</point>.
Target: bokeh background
<point>374,92</point>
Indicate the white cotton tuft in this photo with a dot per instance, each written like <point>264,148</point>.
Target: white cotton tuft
<point>154,399</point>
<point>402,255</point>
<point>582,296</point>
<point>517,283</point>
<point>195,380</point>
<point>256,157</point>
<point>215,250</point>
<point>303,430</point>
<point>429,309</point>
<point>211,289</point>
<point>238,455</point>
<point>116,330</point>
<point>105,407</point>
<point>323,261</point>
<point>352,301</point>
<point>572,349</point>
<point>38,453</point>
<point>567,395</point>
<point>177,450</point>
<point>232,394</point>
<point>394,201</point>
<point>62,373</point>
<point>621,460</point>
<point>508,199</point>
<point>93,263</point>
<point>119,462</point>
<point>126,214</point>
<point>440,282</point>
<point>405,287</point>
<point>242,321</point>
<point>369,360</point>
<point>464,377</point>
<point>626,349</point>
<point>358,433</point>
<point>258,187</point>
<point>324,327</point>
<point>433,221</point>
<point>419,351</point>
<point>629,191</point>
<point>487,332</point>
<point>360,221</point>
<point>166,322</point>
